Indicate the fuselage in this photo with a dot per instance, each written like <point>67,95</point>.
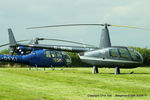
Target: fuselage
<point>44,58</point>
<point>111,57</point>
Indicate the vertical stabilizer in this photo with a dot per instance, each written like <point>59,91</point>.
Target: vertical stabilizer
<point>12,42</point>
<point>105,38</point>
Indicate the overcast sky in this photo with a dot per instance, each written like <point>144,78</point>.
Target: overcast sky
<point>19,14</point>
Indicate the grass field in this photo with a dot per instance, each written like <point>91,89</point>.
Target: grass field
<point>74,84</point>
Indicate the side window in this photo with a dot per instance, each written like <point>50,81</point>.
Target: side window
<point>53,53</point>
<point>58,53</point>
<point>113,53</point>
<point>135,56</point>
<point>123,53</point>
<point>48,54</point>
<point>57,56</point>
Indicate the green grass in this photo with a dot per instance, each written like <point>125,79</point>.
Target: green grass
<point>73,84</point>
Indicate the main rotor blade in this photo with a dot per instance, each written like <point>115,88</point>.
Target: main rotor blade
<point>66,25</point>
<point>4,45</point>
<point>60,47</point>
<point>89,25</point>
<point>16,41</point>
<point>23,40</point>
<point>69,42</point>
<point>131,27</point>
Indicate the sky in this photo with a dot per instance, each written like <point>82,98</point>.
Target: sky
<point>20,14</point>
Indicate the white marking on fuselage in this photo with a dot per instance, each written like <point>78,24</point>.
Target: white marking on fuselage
<point>9,58</point>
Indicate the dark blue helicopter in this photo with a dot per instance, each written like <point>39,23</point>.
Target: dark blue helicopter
<point>34,56</point>
<point>46,58</point>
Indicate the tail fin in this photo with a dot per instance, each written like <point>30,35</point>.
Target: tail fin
<point>12,42</point>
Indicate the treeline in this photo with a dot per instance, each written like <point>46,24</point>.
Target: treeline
<point>145,52</point>
<point>76,60</point>
<point>4,52</point>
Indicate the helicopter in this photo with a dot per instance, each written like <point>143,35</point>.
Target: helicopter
<point>103,56</point>
<point>34,56</point>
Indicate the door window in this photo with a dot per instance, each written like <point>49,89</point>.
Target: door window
<point>123,53</point>
<point>48,54</point>
<point>113,53</point>
<point>58,54</point>
<point>53,53</point>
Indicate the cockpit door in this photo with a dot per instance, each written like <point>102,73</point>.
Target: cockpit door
<point>56,57</point>
<point>113,53</point>
<point>124,54</point>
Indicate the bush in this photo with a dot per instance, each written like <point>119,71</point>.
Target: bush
<point>76,60</point>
